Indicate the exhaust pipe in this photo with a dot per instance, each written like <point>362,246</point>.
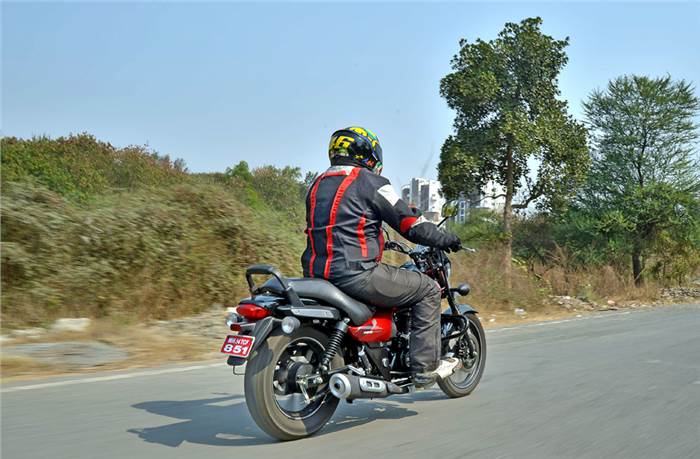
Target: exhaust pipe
<point>350,387</point>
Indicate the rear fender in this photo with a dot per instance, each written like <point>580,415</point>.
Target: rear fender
<point>260,332</point>
<point>265,326</point>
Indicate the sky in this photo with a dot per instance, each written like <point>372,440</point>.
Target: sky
<point>217,83</point>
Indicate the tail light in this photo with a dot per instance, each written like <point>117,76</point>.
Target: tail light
<point>252,311</point>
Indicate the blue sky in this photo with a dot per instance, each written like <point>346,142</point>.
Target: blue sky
<point>216,83</point>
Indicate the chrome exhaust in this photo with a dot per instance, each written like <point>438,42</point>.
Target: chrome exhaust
<point>340,386</point>
<point>350,387</point>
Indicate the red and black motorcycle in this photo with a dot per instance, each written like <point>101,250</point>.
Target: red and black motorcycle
<point>307,345</point>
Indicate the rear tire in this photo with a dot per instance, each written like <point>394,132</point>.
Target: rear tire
<point>260,392</point>
<point>452,386</point>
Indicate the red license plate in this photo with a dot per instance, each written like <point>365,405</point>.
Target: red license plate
<point>238,345</point>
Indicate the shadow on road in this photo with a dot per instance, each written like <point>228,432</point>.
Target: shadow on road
<point>216,421</point>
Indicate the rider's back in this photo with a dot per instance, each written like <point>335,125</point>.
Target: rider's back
<point>343,229</point>
<point>345,208</point>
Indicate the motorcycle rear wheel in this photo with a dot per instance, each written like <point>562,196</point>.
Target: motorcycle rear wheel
<point>261,392</point>
<point>464,381</point>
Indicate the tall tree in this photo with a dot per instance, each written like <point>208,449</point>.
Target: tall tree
<point>644,185</point>
<point>509,119</point>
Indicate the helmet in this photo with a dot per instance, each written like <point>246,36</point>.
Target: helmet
<point>359,145</point>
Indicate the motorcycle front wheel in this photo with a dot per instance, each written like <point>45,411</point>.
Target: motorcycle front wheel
<point>274,398</point>
<point>471,349</point>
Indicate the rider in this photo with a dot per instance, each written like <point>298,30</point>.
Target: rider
<point>345,208</point>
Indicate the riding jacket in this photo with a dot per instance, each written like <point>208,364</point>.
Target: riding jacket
<point>345,208</point>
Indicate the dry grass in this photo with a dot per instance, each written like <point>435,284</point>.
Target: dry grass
<point>531,286</point>
<point>482,271</point>
<point>15,366</point>
<point>146,347</point>
<point>596,284</point>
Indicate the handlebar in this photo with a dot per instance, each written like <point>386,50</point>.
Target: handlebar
<point>397,247</point>
<point>400,247</point>
<point>403,248</point>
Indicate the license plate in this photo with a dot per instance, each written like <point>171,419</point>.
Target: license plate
<point>238,345</point>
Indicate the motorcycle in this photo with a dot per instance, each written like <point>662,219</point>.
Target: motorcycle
<point>307,345</point>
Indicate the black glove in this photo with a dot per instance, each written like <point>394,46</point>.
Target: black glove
<point>452,243</point>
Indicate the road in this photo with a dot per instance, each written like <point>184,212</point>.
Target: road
<point>621,385</point>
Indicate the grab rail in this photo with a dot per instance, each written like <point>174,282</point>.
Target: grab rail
<point>274,272</point>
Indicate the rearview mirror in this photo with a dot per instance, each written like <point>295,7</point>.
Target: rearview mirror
<point>449,209</point>
<point>462,290</point>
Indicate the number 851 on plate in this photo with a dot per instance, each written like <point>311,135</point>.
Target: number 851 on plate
<point>238,345</point>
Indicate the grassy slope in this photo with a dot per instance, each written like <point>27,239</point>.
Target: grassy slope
<point>145,248</point>
<point>147,254</point>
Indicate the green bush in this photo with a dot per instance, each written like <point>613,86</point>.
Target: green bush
<point>80,167</point>
<point>482,228</point>
<point>280,189</point>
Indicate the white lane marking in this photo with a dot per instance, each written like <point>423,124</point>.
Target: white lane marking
<point>555,322</point>
<point>137,374</point>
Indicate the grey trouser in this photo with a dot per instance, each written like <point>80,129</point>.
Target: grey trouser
<point>387,286</point>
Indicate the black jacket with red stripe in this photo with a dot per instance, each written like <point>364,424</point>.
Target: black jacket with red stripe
<point>345,208</point>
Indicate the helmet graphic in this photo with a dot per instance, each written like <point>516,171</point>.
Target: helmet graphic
<point>359,145</point>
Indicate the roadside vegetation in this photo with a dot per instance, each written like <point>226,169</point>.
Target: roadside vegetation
<point>150,241</point>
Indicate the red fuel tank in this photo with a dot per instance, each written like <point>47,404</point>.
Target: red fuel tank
<point>376,329</point>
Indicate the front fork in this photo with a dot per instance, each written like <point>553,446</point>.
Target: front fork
<point>464,346</point>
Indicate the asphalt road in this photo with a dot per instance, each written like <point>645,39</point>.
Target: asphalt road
<point>624,385</point>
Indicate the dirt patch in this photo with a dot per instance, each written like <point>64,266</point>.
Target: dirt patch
<point>69,353</point>
<point>141,345</point>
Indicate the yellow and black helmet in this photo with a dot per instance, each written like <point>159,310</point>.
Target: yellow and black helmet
<point>359,145</point>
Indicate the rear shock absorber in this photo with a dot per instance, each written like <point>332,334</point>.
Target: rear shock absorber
<point>334,343</point>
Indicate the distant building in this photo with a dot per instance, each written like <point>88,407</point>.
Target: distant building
<point>488,198</point>
<point>426,195</point>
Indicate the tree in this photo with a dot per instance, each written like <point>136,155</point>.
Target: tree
<point>240,170</point>
<point>281,188</point>
<point>505,94</point>
<point>644,186</point>
<point>309,179</point>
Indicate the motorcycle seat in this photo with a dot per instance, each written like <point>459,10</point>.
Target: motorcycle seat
<point>323,291</point>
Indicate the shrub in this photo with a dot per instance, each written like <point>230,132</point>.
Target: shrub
<point>80,167</point>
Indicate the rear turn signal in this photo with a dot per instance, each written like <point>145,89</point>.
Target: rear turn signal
<point>252,311</point>
<point>290,324</point>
